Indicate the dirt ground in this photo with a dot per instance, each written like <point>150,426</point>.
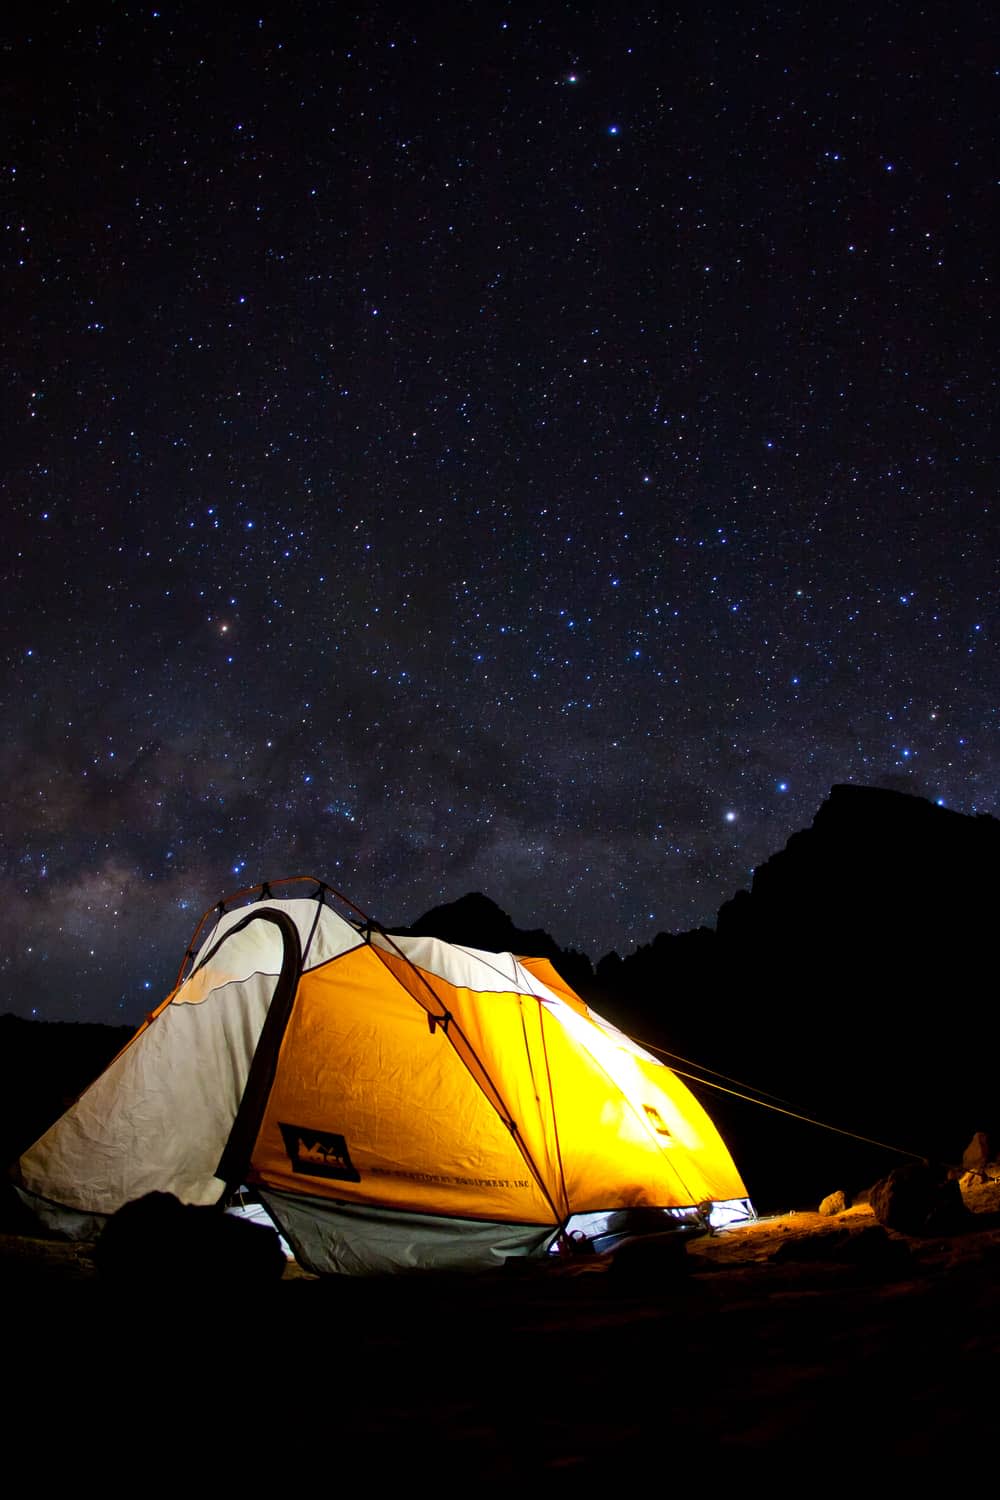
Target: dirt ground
<point>828,1341</point>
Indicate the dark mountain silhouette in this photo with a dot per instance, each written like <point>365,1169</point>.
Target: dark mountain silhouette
<point>850,984</point>
<point>886,866</point>
<point>477,922</point>
<point>44,1065</point>
<point>851,981</point>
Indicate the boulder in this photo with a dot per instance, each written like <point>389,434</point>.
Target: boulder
<point>833,1203</point>
<point>158,1239</point>
<point>977,1153</point>
<point>648,1263</point>
<point>919,1199</point>
<point>867,1250</point>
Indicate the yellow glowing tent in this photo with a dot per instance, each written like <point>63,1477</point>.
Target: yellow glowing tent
<point>396,1102</point>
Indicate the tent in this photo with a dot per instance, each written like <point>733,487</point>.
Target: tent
<point>395,1102</point>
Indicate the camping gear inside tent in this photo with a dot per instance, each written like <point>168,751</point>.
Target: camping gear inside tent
<point>395,1102</point>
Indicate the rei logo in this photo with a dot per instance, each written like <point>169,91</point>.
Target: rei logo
<point>318,1153</point>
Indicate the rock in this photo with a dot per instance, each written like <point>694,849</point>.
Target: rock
<point>977,1153</point>
<point>872,1249</point>
<point>868,1249</point>
<point>919,1199</point>
<point>157,1239</point>
<point>833,1203</point>
<point>648,1263</point>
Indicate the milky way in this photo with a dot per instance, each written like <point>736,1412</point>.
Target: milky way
<point>505,449</point>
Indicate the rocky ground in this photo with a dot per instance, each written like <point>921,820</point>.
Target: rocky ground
<point>821,1339</point>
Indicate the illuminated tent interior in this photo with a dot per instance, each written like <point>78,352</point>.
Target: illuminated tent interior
<point>395,1102</point>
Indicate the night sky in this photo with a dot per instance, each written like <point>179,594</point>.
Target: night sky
<point>536,450</point>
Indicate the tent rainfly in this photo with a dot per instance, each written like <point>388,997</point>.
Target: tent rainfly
<point>397,1103</point>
